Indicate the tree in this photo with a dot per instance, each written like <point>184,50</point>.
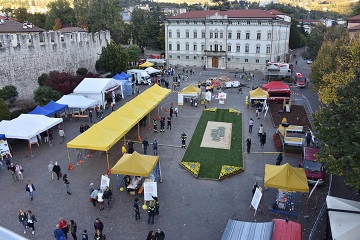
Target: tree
<point>38,19</point>
<point>82,71</point>
<point>9,93</point>
<point>63,82</point>
<point>222,4</point>
<point>57,25</point>
<point>60,9</point>
<point>4,110</point>
<point>42,79</point>
<point>21,15</point>
<point>44,94</point>
<point>296,39</point>
<point>315,41</point>
<point>103,14</point>
<point>356,9</point>
<point>113,58</point>
<point>81,10</point>
<point>133,53</point>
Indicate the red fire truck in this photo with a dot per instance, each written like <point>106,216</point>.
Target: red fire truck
<point>300,80</point>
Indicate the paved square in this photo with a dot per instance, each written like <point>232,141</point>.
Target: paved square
<point>217,135</point>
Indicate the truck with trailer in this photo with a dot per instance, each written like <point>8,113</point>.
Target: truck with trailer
<point>139,76</point>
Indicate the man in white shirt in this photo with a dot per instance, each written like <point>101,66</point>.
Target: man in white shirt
<point>62,135</point>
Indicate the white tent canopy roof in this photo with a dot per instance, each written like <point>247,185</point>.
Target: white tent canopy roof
<point>77,101</point>
<point>27,126</point>
<point>344,226</point>
<point>95,85</point>
<point>151,70</point>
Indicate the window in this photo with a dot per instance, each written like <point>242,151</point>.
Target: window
<point>258,36</point>
<point>267,60</point>
<point>202,47</point>
<point>246,60</point>
<point>178,34</point>
<point>211,35</point>
<point>267,50</point>
<point>229,59</point>
<point>238,35</point>
<point>221,35</point>
<point>195,34</point>
<point>248,22</point>
<point>194,57</point>
<point>187,47</point>
<point>237,48</point>
<point>246,49</point>
<point>202,34</point>
<point>269,36</point>
<point>216,35</point>
<point>229,48</point>
<point>257,60</point>
<point>229,35</point>
<point>170,56</point>
<point>216,47</point>
<point>210,47</point>
<point>187,57</point>
<point>178,46</point>
<point>202,58</point>
<point>178,57</point>
<point>221,48</point>
<point>247,35</point>
<point>257,49</point>
<point>170,34</point>
<point>195,47</point>
<point>187,34</point>
<point>170,47</point>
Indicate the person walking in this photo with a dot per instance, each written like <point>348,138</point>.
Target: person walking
<point>100,199</point>
<point>22,219</point>
<point>151,213</point>
<point>58,233</point>
<point>98,225</point>
<point>91,188</point>
<point>155,125</point>
<point>98,235</point>
<point>162,124</point>
<point>145,144</point>
<point>308,138</point>
<point>159,235</point>
<point>31,219</point>
<point>7,160</point>
<point>279,159</point>
<point>176,111</point>
<point>73,229</point>
<point>248,145</point>
<point>62,135</point>
<point>85,235</point>
<point>130,147</point>
<point>19,172</point>
<point>50,169</point>
<point>93,196</point>
<point>261,130</point>
<point>263,139</point>
<point>12,170</point>
<point>155,147</point>
<point>171,111</point>
<point>151,235</point>
<point>57,170</point>
<point>82,128</point>
<point>251,124</point>
<point>30,189</point>
<point>168,122</point>
<point>156,205</point>
<point>90,116</point>
<point>136,209</point>
<point>257,113</point>
<point>183,140</point>
<point>67,184</point>
<point>64,226</point>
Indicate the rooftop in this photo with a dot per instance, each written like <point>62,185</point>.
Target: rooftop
<point>10,26</point>
<point>72,29</point>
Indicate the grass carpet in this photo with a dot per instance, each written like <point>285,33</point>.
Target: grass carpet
<point>212,159</point>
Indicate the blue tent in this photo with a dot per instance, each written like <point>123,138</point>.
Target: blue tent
<point>2,136</point>
<point>55,107</point>
<point>126,84</point>
<point>41,111</point>
<point>121,76</point>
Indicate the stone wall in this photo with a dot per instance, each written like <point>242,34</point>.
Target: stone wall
<point>40,53</point>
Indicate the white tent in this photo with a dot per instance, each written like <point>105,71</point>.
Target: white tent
<point>188,92</point>
<point>77,101</point>
<point>27,126</point>
<point>151,70</point>
<point>97,88</point>
<point>344,225</point>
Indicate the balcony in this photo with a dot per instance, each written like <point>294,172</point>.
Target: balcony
<point>209,53</point>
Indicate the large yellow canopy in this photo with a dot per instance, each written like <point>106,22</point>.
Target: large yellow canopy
<point>259,94</point>
<point>103,135</point>
<point>190,89</point>
<point>135,164</point>
<point>146,64</point>
<point>286,177</point>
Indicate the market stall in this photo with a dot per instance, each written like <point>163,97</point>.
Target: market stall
<point>190,92</point>
<point>288,180</point>
<point>258,95</point>
<point>146,65</point>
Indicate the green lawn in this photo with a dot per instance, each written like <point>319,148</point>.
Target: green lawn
<point>212,159</point>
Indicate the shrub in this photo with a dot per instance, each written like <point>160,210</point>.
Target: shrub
<point>82,71</point>
<point>45,94</point>
<point>42,79</point>
<point>9,93</point>
<point>277,142</point>
<point>4,110</point>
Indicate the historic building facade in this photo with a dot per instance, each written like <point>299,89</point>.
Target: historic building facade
<point>232,39</point>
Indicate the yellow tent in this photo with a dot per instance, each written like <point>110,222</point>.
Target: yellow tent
<point>286,177</point>
<point>135,165</point>
<point>146,64</point>
<point>190,92</point>
<point>190,89</point>
<point>258,94</point>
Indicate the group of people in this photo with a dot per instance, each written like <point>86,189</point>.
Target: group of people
<point>98,196</point>
<point>15,170</point>
<point>261,134</point>
<point>159,235</point>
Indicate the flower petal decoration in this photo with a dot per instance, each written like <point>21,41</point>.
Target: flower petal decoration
<point>192,167</point>
<point>211,109</point>
<point>227,170</point>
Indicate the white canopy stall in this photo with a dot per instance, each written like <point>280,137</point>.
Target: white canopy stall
<point>77,101</point>
<point>188,92</point>
<point>98,89</point>
<point>28,126</point>
<point>151,70</point>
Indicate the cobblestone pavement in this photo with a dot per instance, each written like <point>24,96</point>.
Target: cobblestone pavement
<point>189,208</point>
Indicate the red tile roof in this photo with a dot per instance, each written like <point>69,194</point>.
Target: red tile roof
<point>275,12</point>
<point>71,29</point>
<point>354,28</point>
<point>357,17</point>
<point>250,13</point>
<point>10,26</point>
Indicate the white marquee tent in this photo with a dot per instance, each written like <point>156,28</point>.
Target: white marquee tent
<point>97,88</point>
<point>344,217</point>
<point>77,101</point>
<point>151,70</point>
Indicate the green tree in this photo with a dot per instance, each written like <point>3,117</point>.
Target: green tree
<point>356,9</point>
<point>315,41</point>
<point>133,53</point>
<point>9,93</point>
<point>296,39</point>
<point>113,58</point>
<point>42,79</point>
<point>20,14</point>
<point>45,94</point>
<point>138,22</point>
<point>38,19</point>
<point>82,71</point>
<point>121,33</point>
<point>60,9</point>
<point>81,10</point>
<point>4,110</point>
<point>222,4</point>
<point>103,14</point>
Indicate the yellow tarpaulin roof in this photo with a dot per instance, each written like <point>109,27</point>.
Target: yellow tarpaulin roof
<point>259,94</point>
<point>111,129</point>
<point>146,64</point>
<point>135,165</point>
<point>286,177</point>
<point>190,89</point>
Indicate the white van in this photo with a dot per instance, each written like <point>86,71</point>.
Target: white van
<point>139,76</point>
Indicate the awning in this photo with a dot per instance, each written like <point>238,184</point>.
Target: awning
<point>112,88</point>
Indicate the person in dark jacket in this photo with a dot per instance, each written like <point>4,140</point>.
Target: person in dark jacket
<point>151,213</point>
<point>98,225</point>
<point>67,184</point>
<point>159,235</point>
<point>279,159</point>
<point>57,170</point>
<point>73,229</point>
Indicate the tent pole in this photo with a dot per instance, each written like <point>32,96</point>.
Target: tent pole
<point>68,153</point>
<point>108,163</point>
<point>149,121</point>
<point>31,155</point>
<point>158,113</point>
<point>138,127</point>
<point>160,175</point>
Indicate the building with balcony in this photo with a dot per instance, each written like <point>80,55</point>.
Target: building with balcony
<point>227,39</point>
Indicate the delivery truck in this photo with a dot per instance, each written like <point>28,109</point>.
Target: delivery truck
<point>139,76</point>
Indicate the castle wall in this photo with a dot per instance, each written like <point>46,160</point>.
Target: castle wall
<point>40,53</point>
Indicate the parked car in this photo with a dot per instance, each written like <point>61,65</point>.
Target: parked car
<point>314,169</point>
<point>309,61</point>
